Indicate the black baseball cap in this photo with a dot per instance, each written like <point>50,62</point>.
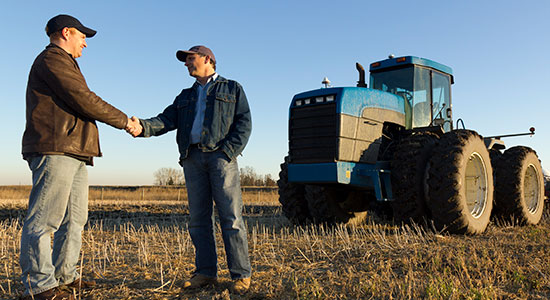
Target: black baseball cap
<point>202,50</point>
<point>61,21</point>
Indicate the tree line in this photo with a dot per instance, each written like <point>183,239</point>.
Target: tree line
<point>248,176</point>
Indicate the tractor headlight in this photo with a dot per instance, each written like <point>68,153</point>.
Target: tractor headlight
<point>315,100</point>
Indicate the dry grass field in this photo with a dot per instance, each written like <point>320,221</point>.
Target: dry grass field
<point>136,246</point>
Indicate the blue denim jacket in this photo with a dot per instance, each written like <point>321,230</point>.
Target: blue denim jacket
<point>227,121</point>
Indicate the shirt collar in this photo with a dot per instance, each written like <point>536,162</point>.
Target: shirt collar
<point>212,78</point>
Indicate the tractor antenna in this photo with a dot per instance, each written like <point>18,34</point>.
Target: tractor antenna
<point>361,82</point>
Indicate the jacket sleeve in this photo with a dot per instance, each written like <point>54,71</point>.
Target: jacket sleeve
<point>162,123</point>
<point>241,128</point>
<point>66,80</point>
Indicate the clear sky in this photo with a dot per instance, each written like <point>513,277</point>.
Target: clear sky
<point>498,50</point>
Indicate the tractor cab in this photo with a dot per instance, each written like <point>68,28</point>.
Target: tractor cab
<point>425,86</point>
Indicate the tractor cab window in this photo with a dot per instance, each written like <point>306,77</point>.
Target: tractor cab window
<point>442,99</point>
<point>422,109</point>
<point>397,82</point>
<point>432,99</point>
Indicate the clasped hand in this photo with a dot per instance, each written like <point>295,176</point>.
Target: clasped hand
<point>133,127</point>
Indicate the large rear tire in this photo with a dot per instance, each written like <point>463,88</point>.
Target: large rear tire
<point>519,186</point>
<point>333,205</point>
<point>460,183</point>
<point>292,197</point>
<point>408,173</point>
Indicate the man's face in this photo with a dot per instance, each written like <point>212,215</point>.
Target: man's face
<point>76,42</point>
<point>196,64</point>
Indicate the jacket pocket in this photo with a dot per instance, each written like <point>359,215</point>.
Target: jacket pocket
<point>229,98</point>
<point>225,105</point>
<point>224,109</point>
<point>182,104</point>
<point>183,108</point>
<point>72,127</point>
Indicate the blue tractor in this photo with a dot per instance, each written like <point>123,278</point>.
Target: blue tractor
<point>394,145</point>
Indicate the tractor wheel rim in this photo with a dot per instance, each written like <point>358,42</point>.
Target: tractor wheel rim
<point>476,185</point>
<point>531,188</point>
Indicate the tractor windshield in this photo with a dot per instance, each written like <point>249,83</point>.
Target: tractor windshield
<point>397,82</point>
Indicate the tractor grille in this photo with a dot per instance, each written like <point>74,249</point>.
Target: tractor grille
<point>312,133</point>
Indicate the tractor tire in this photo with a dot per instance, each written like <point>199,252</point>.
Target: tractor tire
<point>460,183</point>
<point>495,157</point>
<point>519,186</point>
<point>408,177</point>
<point>495,161</point>
<point>292,197</point>
<point>331,205</point>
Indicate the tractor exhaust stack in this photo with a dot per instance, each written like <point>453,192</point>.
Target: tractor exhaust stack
<point>361,82</point>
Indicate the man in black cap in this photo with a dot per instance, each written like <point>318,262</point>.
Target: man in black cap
<point>213,122</point>
<point>60,139</point>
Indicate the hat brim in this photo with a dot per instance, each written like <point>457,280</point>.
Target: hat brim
<point>87,31</point>
<point>182,55</point>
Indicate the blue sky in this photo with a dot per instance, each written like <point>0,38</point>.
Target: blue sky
<point>498,51</point>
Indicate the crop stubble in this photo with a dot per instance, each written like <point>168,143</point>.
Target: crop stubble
<point>140,249</point>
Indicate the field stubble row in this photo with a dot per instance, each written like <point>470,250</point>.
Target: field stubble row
<point>131,193</point>
<point>141,250</point>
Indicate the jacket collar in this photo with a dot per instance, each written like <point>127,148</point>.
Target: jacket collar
<point>218,79</point>
<point>52,45</point>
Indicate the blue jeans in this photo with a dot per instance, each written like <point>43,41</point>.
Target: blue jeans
<point>58,204</point>
<point>211,176</point>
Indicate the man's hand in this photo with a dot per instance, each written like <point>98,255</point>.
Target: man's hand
<point>134,127</point>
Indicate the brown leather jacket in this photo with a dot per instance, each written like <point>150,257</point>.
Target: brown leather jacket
<point>61,109</point>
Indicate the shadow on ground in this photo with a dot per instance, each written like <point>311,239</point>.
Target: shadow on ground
<point>112,216</point>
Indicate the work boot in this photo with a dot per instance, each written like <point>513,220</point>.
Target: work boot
<point>80,284</point>
<point>241,285</point>
<point>51,294</point>
<point>198,281</point>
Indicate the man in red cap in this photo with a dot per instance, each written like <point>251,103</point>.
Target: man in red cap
<point>60,139</point>
<point>213,125</point>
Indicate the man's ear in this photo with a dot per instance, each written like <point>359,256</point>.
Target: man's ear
<point>65,32</point>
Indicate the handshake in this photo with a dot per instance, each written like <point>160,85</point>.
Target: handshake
<point>133,127</point>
